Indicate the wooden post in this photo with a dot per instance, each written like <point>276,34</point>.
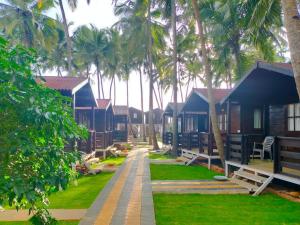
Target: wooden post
<point>228,114</point>
<point>266,119</point>
<point>244,145</point>
<point>74,105</point>
<point>210,137</point>
<point>276,155</point>
<point>105,130</point>
<point>94,129</point>
<point>163,128</point>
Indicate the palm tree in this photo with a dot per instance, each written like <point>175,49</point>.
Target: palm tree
<point>292,25</point>
<point>67,34</point>
<point>83,60</point>
<point>174,77</point>
<point>265,13</point>
<point>25,22</point>
<point>208,75</point>
<point>73,5</point>
<point>137,24</point>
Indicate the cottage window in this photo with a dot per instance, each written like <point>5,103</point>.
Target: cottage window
<point>221,122</point>
<point>83,118</point>
<point>294,117</point>
<point>135,115</point>
<point>222,119</point>
<point>257,118</point>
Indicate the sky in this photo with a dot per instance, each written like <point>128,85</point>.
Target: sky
<point>100,13</point>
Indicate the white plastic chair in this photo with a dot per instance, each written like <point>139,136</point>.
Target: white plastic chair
<point>266,147</point>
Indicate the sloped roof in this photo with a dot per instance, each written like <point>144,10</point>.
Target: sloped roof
<point>282,69</point>
<point>120,110</point>
<point>282,65</point>
<point>63,83</point>
<point>218,93</point>
<point>171,105</point>
<point>103,103</point>
<point>134,109</point>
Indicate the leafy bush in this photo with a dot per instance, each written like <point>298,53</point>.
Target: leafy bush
<point>35,124</point>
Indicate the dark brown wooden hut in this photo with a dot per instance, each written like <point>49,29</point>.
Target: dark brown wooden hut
<point>167,118</point>
<point>104,123</point>
<point>120,132</point>
<point>83,103</point>
<point>265,103</point>
<point>196,126</point>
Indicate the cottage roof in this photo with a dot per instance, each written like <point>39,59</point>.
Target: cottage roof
<point>274,70</point>
<point>72,84</point>
<point>120,110</point>
<point>171,105</point>
<point>218,93</point>
<point>103,103</point>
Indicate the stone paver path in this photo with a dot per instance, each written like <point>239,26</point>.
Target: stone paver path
<point>127,198</point>
<point>59,214</point>
<point>197,186</point>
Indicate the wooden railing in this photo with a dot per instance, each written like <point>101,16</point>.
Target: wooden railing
<point>87,145</point>
<point>168,138</point>
<point>207,142</point>
<point>236,148</point>
<point>120,135</point>
<point>103,139</point>
<point>286,154</point>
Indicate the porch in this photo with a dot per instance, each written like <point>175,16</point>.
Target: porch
<point>284,166</point>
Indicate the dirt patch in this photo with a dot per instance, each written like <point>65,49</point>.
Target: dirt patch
<point>284,192</point>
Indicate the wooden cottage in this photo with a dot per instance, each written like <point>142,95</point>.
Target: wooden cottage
<point>167,119</point>
<point>104,118</point>
<point>264,103</point>
<point>157,120</point>
<point>120,132</point>
<point>136,119</point>
<point>83,103</point>
<point>196,127</point>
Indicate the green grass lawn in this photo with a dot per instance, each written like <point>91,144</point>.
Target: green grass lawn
<point>180,172</point>
<point>28,223</point>
<point>110,160</point>
<point>192,209</point>
<point>159,156</point>
<point>82,195</point>
<point>115,160</point>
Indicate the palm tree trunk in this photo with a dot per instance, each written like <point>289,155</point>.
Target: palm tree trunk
<point>101,81</point>
<point>152,135</point>
<point>110,87</point>
<point>188,86</point>
<point>127,97</point>
<point>174,78</point>
<point>156,98</point>
<point>115,92</point>
<point>69,41</point>
<point>292,25</point>
<point>98,83</point>
<point>159,95</point>
<point>181,92</point>
<point>142,105</point>
<point>208,74</point>
<point>237,56</point>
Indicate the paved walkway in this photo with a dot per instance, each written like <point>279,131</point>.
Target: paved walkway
<point>127,198</point>
<point>59,214</point>
<point>197,186</point>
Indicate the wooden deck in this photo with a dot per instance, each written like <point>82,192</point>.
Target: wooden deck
<point>266,167</point>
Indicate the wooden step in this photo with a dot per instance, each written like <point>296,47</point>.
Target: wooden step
<point>250,176</point>
<point>245,184</point>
